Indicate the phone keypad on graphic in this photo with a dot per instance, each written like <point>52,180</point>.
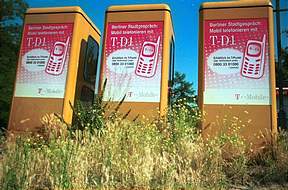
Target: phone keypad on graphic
<point>145,68</point>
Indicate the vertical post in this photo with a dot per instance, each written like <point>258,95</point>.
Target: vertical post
<point>281,113</point>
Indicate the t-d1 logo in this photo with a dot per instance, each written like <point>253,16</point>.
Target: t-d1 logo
<point>122,41</point>
<point>222,40</point>
<point>36,42</point>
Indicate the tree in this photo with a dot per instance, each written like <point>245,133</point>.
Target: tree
<point>284,61</point>
<point>11,18</point>
<point>182,91</point>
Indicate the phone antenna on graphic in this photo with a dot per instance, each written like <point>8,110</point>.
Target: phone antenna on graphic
<point>264,41</point>
<point>67,41</point>
<point>263,46</point>
<point>158,41</point>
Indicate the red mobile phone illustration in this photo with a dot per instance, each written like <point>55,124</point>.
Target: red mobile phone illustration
<point>254,59</point>
<point>147,61</point>
<point>57,58</point>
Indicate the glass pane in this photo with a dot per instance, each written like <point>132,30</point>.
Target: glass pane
<point>171,66</point>
<point>87,95</point>
<point>284,28</point>
<point>91,59</point>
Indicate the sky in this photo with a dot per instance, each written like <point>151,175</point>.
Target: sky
<point>185,16</point>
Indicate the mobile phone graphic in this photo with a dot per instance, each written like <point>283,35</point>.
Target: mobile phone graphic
<point>254,59</point>
<point>147,60</point>
<point>57,58</point>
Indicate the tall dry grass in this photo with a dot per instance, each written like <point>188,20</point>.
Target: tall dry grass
<point>119,154</point>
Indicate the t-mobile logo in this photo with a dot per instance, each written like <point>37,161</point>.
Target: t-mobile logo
<point>129,94</point>
<point>237,96</point>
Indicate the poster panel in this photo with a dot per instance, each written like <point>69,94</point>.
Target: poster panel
<point>236,62</point>
<point>44,57</point>
<point>133,52</point>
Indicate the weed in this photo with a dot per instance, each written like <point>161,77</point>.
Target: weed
<point>109,152</point>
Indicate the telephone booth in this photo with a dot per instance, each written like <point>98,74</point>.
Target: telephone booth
<point>237,70</point>
<point>138,59</point>
<point>56,66</point>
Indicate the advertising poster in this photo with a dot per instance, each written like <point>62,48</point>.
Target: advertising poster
<point>236,62</point>
<point>133,52</point>
<point>44,56</point>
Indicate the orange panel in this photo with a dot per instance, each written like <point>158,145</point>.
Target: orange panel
<point>142,14</point>
<point>257,121</point>
<point>35,94</point>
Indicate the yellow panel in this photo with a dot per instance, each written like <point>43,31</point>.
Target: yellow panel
<point>255,119</point>
<point>136,13</point>
<point>26,112</point>
<point>239,3</point>
<point>139,7</point>
<point>73,9</point>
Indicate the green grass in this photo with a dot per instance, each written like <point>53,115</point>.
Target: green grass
<point>109,152</point>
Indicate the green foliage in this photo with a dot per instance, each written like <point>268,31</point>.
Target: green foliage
<point>284,61</point>
<point>284,53</point>
<point>182,91</point>
<point>16,177</point>
<point>92,117</point>
<point>89,117</point>
<point>11,15</point>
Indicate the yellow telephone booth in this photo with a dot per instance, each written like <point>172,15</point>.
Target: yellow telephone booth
<point>237,69</point>
<point>56,66</point>
<point>137,58</point>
